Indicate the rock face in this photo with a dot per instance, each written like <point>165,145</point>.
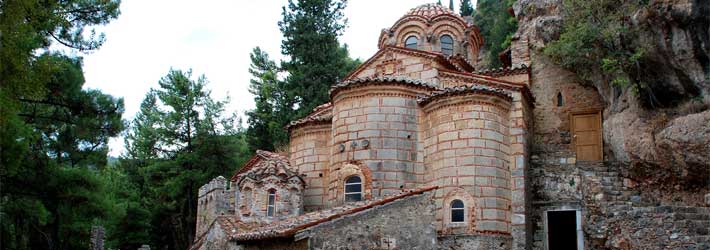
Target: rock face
<point>669,134</point>
<point>649,192</point>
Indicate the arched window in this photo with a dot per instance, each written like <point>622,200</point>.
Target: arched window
<point>271,208</point>
<point>353,189</point>
<point>447,45</point>
<point>457,211</point>
<point>560,100</point>
<point>411,42</point>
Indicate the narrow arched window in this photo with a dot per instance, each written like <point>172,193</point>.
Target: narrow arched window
<point>411,42</point>
<point>457,211</point>
<point>271,208</point>
<point>560,100</point>
<point>353,189</point>
<point>447,45</point>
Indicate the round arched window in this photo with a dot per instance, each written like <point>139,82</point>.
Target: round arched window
<point>447,45</point>
<point>353,189</point>
<point>457,209</point>
<point>411,42</point>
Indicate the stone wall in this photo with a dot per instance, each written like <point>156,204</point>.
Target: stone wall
<point>415,65</point>
<point>212,200</point>
<point>310,154</point>
<point>375,129</point>
<point>498,242</point>
<point>466,142</point>
<point>404,224</point>
<point>254,198</point>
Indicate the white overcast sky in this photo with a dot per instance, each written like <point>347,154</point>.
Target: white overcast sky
<point>213,38</point>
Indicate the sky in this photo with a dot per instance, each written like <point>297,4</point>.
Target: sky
<point>213,38</point>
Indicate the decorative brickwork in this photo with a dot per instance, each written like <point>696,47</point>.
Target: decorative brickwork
<point>405,119</point>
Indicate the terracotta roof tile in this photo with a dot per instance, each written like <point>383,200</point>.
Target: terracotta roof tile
<point>431,10</point>
<point>380,80</point>
<point>459,90</point>
<point>291,226</point>
<point>515,70</point>
<point>261,155</point>
<point>322,113</point>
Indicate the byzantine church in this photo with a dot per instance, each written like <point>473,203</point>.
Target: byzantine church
<point>417,149</point>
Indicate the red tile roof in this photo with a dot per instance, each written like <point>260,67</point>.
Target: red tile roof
<point>261,155</point>
<point>431,10</point>
<point>322,113</point>
<point>291,226</point>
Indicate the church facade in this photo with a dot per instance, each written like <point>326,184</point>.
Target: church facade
<point>415,150</point>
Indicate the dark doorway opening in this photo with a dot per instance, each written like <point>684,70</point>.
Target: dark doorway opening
<point>562,230</point>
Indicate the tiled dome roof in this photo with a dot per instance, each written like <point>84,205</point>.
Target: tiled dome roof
<point>430,10</point>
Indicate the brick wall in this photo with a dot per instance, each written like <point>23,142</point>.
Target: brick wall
<point>402,63</point>
<point>310,154</point>
<point>376,128</point>
<point>466,142</point>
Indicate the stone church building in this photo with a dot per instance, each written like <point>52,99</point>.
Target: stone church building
<point>419,149</point>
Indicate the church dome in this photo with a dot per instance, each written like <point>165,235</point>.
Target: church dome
<point>434,28</point>
<point>431,10</point>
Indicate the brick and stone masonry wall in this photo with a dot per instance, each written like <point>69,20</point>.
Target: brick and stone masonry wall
<point>404,224</point>
<point>375,127</point>
<point>466,142</point>
<point>212,201</point>
<point>310,154</point>
<point>404,65</point>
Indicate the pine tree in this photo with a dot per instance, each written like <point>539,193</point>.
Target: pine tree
<point>311,29</point>
<point>57,141</point>
<point>180,140</point>
<point>466,8</point>
<point>272,110</point>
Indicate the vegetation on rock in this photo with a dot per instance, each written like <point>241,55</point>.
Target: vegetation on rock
<point>497,26</point>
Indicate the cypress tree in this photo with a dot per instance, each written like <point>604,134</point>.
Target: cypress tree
<point>466,8</point>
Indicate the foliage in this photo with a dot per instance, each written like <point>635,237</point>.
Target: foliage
<point>180,140</point>
<point>596,36</point>
<point>52,146</point>
<point>316,60</point>
<point>497,27</point>
<point>267,120</point>
<point>28,25</point>
<point>466,8</point>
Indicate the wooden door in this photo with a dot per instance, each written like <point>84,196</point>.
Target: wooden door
<point>587,136</point>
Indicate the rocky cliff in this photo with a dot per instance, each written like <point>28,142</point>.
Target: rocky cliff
<point>663,141</point>
<point>648,192</point>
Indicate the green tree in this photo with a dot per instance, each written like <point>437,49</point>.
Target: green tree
<point>51,194</point>
<point>180,139</point>
<point>466,8</point>
<point>451,5</point>
<point>272,112</point>
<point>316,59</point>
<point>497,27</point>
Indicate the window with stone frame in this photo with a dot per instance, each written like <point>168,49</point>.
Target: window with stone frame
<point>271,207</point>
<point>447,45</point>
<point>457,211</point>
<point>353,188</point>
<point>411,42</point>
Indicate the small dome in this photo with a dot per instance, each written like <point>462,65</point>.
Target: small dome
<point>431,10</point>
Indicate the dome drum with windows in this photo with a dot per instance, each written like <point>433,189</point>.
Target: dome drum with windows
<point>434,28</point>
